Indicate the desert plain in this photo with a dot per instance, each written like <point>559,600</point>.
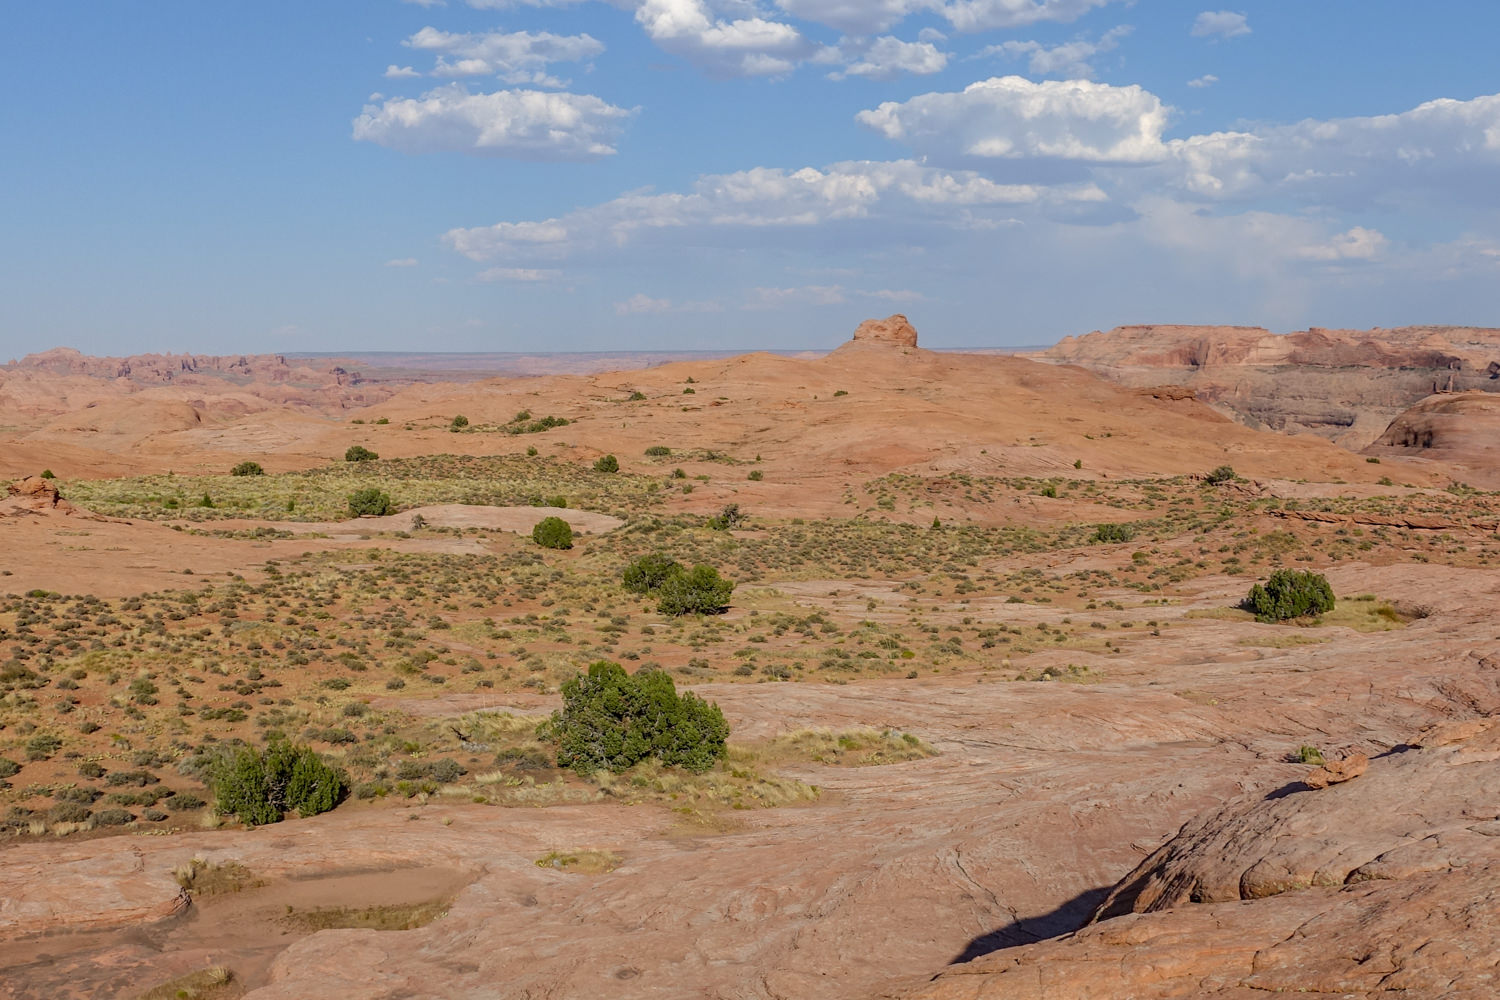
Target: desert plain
<point>1000,724</point>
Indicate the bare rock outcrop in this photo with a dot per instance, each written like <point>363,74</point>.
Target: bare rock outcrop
<point>1383,887</point>
<point>1459,428</point>
<point>35,492</point>
<point>895,330</point>
<point>1336,772</point>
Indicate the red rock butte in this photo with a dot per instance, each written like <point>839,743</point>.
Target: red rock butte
<point>894,330</point>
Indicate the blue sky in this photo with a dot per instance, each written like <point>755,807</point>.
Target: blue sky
<point>524,175</point>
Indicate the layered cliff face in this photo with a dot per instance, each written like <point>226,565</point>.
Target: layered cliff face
<point>1344,385</point>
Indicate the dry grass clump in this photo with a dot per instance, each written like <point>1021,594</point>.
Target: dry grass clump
<point>203,879</point>
<point>582,862</point>
<point>396,917</point>
<point>214,981</point>
<point>849,747</point>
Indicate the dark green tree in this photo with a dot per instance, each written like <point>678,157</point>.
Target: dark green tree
<point>1290,593</point>
<point>698,591</point>
<point>649,572</point>
<point>607,463</point>
<point>370,501</point>
<point>247,469</point>
<point>359,453</point>
<point>553,533</point>
<point>260,787</point>
<point>612,720</point>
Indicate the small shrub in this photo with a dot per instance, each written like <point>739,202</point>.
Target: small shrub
<point>1114,532</point>
<point>359,453</point>
<point>637,396</point>
<point>553,533</point>
<point>459,423</point>
<point>372,501</point>
<point>1290,593</point>
<point>729,517</point>
<point>42,746</point>
<point>607,463</point>
<point>47,474</point>
<point>700,591</point>
<point>612,720</point>
<point>755,475</point>
<point>658,451</point>
<point>113,817</point>
<point>1223,474</point>
<point>1309,755</point>
<point>247,469</point>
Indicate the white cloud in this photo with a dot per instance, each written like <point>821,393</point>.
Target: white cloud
<point>1013,118</point>
<point>427,3</point>
<point>886,58</point>
<point>519,124</point>
<point>1358,243</point>
<point>402,262</point>
<point>1446,149</point>
<point>807,295</point>
<point>986,15</point>
<point>525,275</point>
<point>856,17</point>
<point>1206,80</point>
<point>394,72</point>
<point>766,199</point>
<point>515,57</point>
<point>895,295</point>
<point>1069,59</point>
<point>751,46</point>
<point>642,304</point>
<point>1220,24</point>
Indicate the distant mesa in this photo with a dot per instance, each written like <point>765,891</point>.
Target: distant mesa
<point>895,331</point>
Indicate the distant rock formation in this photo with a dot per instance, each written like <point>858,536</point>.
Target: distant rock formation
<point>895,331</point>
<point>1344,385</point>
<point>165,369</point>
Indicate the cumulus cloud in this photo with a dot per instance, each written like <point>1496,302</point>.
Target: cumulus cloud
<point>519,124</point>
<point>987,15</point>
<point>1206,80</point>
<point>856,17</point>
<point>887,58</point>
<point>750,46</point>
<point>1013,118</point>
<point>767,200</point>
<point>1358,243</point>
<point>1446,148</point>
<point>514,57</point>
<point>1069,59</point>
<point>1220,24</point>
<point>394,72</point>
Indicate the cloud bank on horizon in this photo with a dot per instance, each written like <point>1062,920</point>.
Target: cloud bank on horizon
<point>586,174</point>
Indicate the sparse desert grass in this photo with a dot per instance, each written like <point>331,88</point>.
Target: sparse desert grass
<point>203,879</point>
<point>395,917</point>
<point>847,747</point>
<point>214,981</point>
<point>322,494</point>
<point>329,649</point>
